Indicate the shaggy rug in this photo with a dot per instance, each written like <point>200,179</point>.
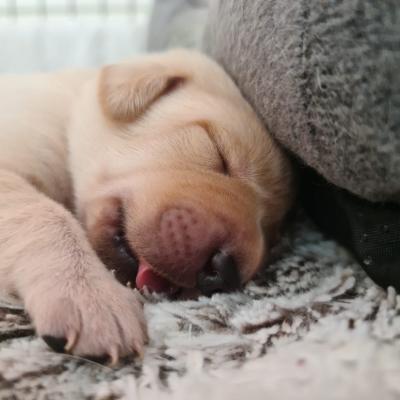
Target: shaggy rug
<point>311,326</point>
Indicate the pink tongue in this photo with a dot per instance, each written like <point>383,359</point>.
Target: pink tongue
<point>147,277</point>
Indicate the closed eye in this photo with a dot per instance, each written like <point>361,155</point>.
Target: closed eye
<point>224,163</point>
<point>225,166</point>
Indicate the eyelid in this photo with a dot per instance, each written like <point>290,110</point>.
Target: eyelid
<point>225,166</point>
<point>210,133</point>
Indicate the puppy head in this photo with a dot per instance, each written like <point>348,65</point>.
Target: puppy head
<point>176,180</point>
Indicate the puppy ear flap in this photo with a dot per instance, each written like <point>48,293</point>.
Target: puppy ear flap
<point>127,90</point>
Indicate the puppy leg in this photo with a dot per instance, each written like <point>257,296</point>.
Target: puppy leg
<point>46,260</point>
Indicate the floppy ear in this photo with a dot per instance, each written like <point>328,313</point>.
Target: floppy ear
<point>127,90</point>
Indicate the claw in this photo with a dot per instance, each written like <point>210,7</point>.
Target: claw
<point>55,343</point>
<point>114,356</point>
<point>139,296</point>
<point>71,341</point>
<point>113,272</point>
<point>138,348</point>
<point>129,284</point>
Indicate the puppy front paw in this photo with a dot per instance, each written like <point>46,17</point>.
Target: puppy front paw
<point>103,321</point>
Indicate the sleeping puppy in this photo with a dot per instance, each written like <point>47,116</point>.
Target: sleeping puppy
<point>150,173</point>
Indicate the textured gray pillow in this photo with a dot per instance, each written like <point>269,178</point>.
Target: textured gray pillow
<point>325,78</point>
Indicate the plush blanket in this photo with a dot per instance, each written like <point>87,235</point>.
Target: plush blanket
<point>311,326</point>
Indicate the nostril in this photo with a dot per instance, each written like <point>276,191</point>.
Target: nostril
<point>220,275</point>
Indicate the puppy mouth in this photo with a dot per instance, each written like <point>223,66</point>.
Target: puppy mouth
<point>220,273</point>
<point>134,271</point>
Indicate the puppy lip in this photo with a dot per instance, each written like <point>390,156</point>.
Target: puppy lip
<point>124,265</point>
<point>129,262</point>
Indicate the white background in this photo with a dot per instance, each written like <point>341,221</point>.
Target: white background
<point>42,35</point>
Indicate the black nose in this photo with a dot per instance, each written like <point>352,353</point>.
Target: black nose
<point>220,275</point>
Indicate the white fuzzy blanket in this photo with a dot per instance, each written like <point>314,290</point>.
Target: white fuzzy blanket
<point>312,327</point>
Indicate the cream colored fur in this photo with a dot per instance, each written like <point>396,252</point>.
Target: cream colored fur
<point>146,134</point>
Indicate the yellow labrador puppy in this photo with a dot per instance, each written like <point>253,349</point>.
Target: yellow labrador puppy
<point>150,173</point>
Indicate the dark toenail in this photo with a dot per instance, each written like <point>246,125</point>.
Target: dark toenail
<point>55,343</point>
<point>220,275</point>
<point>104,359</point>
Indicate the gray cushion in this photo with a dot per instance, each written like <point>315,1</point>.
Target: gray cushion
<point>325,78</point>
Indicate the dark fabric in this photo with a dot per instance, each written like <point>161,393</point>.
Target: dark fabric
<point>371,231</point>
